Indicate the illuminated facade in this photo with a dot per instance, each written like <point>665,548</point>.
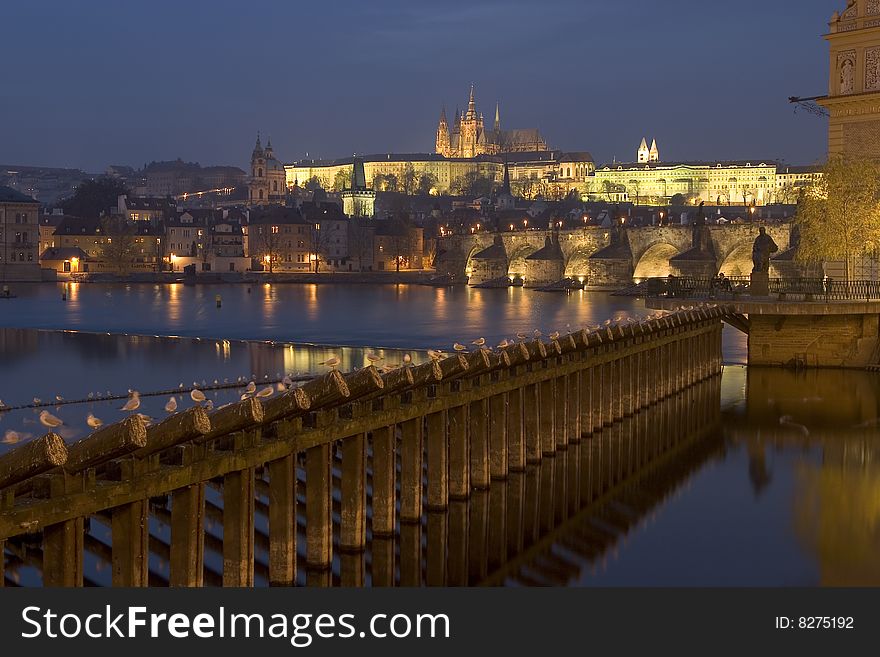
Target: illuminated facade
<point>19,236</point>
<point>357,199</point>
<point>267,184</point>
<point>853,99</point>
<point>468,136</point>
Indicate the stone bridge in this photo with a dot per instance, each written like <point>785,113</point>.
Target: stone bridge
<point>610,256</point>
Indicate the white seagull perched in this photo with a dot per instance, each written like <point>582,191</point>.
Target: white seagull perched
<point>10,437</point>
<point>171,405</point>
<point>479,342</point>
<point>459,347</point>
<point>197,396</point>
<point>407,359</point>
<point>251,388</point>
<point>94,422</point>
<point>265,392</point>
<point>434,354</point>
<point>521,336</point>
<point>49,420</point>
<point>373,358</point>
<point>503,344</point>
<point>133,403</point>
<point>331,362</point>
<point>554,335</point>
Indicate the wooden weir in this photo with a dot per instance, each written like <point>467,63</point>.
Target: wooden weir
<point>340,477</point>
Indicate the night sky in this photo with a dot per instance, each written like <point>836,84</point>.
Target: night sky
<point>92,83</point>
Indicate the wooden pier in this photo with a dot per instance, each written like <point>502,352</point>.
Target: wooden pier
<point>335,481</point>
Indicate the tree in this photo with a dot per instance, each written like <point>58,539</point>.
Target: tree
<point>635,189</point>
<point>360,241</point>
<point>838,216</point>
<point>93,198</point>
<point>408,179</point>
<point>266,241</point>
<point>342,180</point>
<point>119,244</point>
<point>313,184</point>
<point>385,182</point>
<point>320,243</point>
<point>472,184</point>
<point>427,182</point>
<point>678,199</point>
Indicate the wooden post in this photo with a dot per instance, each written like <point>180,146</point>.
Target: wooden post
<point>560,411</point>
<point>478,439</point>
<point>238,528</point>
<point>352,569</point>
<point>319,508</point>
<point>188,536</point>
<point>547,417</point>
<point>384,481</point>
<point>531,526</point>
<point>573,407</point>
<point>130,529</point>
<point>609,381</point>
<point>438,463</point>
<point>531,424</point>
<point>63,554</point>
<point>282,521</point>
<point>353,507</point>
<point>586,401</point>
<point>597,383</point>
<point>459,458</point>
<point>498,451</point>
<point>516,444</point>
<point>411,470</point>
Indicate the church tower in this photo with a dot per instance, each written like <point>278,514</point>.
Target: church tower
<point>470,130</point>
<point>644,153</point>
<point>654,153</point>
<point>853,100</point>
<point>443,143</point>
<point>258,184</point>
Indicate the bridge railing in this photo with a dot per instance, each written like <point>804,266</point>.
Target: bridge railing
<point>430,434</point>
<point>735,287</point>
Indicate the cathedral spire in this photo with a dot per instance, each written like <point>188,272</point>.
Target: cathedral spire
<point>443,120</point>
<point>497,117</point>
<point>472,105</point>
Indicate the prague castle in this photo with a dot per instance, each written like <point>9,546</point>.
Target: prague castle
<point>469,138</point>
<point>853,100</point>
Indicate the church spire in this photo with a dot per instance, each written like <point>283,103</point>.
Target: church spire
<point>472,105</point>
<point>506,186</point>
<point>443,120</point>
<point>497,117</point>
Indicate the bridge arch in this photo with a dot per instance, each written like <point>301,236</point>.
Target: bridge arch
<point>577,264</point>
<point>517,258</point>
<point>738,261</point>
<point>654,261</point>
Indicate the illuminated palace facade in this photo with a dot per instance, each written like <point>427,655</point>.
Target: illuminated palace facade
<point>650,181</point>
<point>853,100</point>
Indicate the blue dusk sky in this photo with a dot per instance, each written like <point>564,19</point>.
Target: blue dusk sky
<point>98,82</point>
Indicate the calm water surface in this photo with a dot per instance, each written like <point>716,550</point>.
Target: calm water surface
<point>763,478</point>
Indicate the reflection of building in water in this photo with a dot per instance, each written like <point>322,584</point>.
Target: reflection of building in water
<point>17,343</point>
<point>831,418</point>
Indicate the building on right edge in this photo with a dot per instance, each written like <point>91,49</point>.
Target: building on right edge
<point>853,99</point>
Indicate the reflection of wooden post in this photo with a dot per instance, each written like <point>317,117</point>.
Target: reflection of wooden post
<point>384,476</point>
<point>351,569</point>
<point>353,496</point>
<point>586,403</point>
<point>609,382</point>
<point>435,569</point>
<point>531,422</point>
<point>560,404</point>
<point>382,571</point>
<point>497,524</point>
<point>573,407</point>
<point>560,474</point>
<point>531,526</point>
<point>478,439</point>
<point>238,528</point>
<point>478,526</point>
<point>498,449</point>
<point>319,508</point>
<point>515,492</point>
<point>411,554</point>
<point>438,462</point>
<point>547,417</point>
<point>282,522</point>
<point>411,470</point>
<point>459,459</point>
<point>547,495</point>
<point>597,383</point>
<point>457,549</point>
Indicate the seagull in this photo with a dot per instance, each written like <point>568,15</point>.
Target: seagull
<point>133,403</point>
<point>59,398</point>
<point>37,401</point>
<point>407,358</point>
<point>171,405</point>
<point>10,437</point>
<point>503,344</point>
<point>251,388</point>
<point>521,336</point>
<point>265,392</point>
<point>434,354</point>
<point>287,381</point>
<point>459,347</point>
<point>373,358</point>
<point>280,387</point>
<point>537,333</point>
<point>209,405</point>
<point>49,420</point>
<point>479,342</point>
<point>94,422</point>
<point>197,396</point>
<point>554,335</point>
<point>246,395</point>
<point>331,362</point>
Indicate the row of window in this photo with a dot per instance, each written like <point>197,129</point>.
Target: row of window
<point>21,257</point>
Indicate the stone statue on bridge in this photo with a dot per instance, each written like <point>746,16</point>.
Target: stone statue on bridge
<point>761,250</point>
